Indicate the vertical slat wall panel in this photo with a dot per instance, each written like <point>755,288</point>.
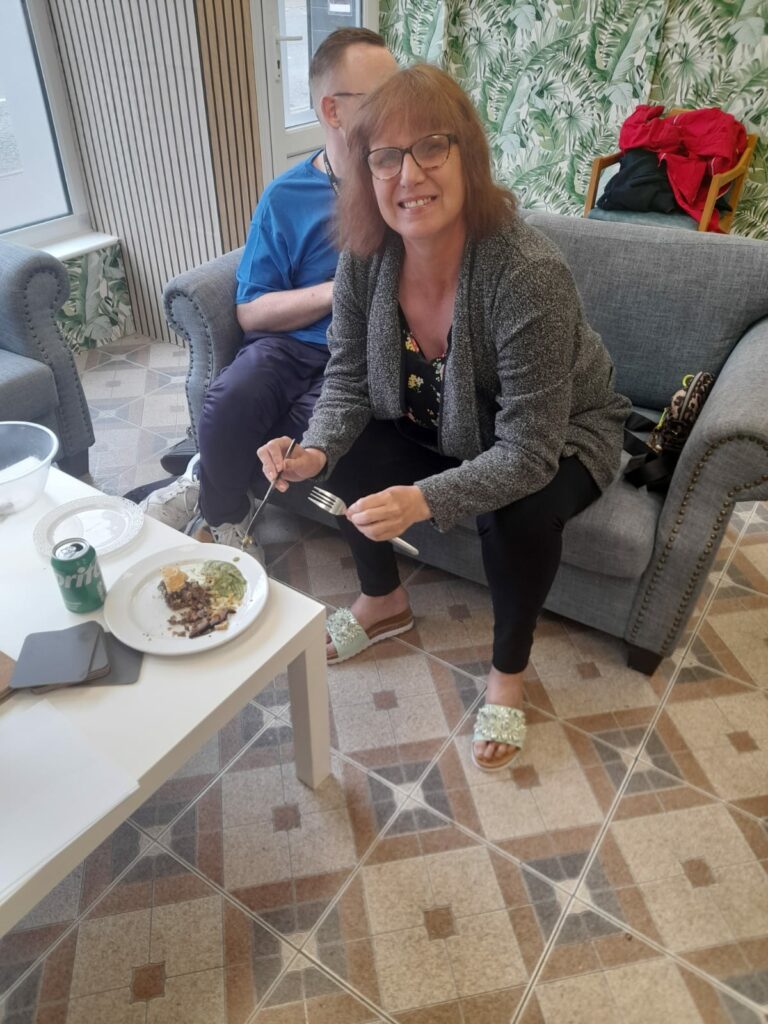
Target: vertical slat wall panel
<point>226,56</point>
<point>135,85</point>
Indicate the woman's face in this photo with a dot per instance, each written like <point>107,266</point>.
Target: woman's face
<point>421,204</point>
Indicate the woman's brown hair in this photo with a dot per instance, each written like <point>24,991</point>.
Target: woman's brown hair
<point>424,99</point>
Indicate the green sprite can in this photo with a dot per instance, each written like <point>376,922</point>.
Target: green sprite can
<point>78,575</point>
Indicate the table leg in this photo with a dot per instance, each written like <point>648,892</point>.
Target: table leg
<point>308,687</point>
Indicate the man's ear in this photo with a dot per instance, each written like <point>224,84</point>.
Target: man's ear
<point>330,112</point>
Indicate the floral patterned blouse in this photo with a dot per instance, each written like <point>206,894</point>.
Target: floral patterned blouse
<point>423,381</point>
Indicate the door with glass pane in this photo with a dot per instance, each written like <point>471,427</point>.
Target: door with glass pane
<point>292,31</point>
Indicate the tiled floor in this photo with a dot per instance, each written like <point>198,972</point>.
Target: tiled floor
<point>615,874</point>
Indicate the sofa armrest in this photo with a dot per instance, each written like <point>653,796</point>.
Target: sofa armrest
<point>725,460</point>
<point>33,288</point>
<point>200,306</point>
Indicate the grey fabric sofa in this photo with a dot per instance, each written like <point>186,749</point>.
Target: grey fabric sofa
<point>666,303</point>
<point>39,381</point>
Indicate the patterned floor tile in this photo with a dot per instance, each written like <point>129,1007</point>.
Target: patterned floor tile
<point>163,357</point>
<point>275,697</point>
<point>689,873</point>
<point>546,808</point>
<point>163,411</point>
<point>120,446</point>
<point>581,676</point>
<point>117,382</point>
<point>735,634</point>
<point>34,935</point>
<point>280,848</point>
<point>145,472</point>
<point>278,530</point>
<point>162,947</point>
<point>392,708</point>
<point>438,927</point>
<point>748,567</point>
<point>307,995</point>
<point>717,741</point>
<point>598,973</point>
<point>167,802</point>
<point>454,620</point>
<point>759,520</point>
<point>320,565</point>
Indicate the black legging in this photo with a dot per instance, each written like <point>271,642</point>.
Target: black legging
<point>521,542</point>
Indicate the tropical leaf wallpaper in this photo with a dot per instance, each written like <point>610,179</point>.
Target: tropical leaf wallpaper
<point>554,79</point>
<point>98,309</point>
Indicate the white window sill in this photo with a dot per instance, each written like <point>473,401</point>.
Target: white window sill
<point>68,248</point>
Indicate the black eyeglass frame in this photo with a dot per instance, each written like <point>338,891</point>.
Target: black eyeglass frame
<point>453,140</point>
<point>338,95</point>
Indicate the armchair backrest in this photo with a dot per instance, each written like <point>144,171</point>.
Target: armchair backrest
<point>665,302</point>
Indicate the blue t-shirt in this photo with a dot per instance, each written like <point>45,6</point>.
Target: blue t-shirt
<point>290,241</point>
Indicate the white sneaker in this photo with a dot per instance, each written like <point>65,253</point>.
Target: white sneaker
<point>175,504</point>
<point>231,534</point>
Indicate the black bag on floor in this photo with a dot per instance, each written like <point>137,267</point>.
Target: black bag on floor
<point>654,460</point>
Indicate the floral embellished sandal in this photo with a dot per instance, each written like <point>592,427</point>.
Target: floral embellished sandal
<point>349,638</point>
<point>496,723</point>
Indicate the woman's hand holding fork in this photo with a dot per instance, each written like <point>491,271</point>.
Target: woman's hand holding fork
<point>303,464</point>
<point>379,516</point>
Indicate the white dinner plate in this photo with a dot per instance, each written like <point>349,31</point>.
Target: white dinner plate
<point>107,524</point>
<point>136,612</point>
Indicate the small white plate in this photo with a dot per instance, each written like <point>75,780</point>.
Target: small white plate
<point>136,612</point>
<point>106,523</point>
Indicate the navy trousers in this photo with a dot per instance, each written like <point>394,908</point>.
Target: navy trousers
<point>521,543</point>
<point>268,390</point>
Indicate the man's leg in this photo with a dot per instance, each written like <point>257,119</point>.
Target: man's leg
<point>242,409</point>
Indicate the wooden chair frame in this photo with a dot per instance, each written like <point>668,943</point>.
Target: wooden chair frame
<point>737,175</point>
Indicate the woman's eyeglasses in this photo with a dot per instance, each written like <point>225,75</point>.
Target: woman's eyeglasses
<point>428,153</point>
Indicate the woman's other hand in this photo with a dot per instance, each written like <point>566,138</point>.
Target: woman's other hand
<point>303,463</point>
<point>388,513</point>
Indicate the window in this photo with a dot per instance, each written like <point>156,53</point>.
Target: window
<point>39,202</point>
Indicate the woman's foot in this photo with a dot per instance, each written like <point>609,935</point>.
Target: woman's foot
<point>369,611</point>
<point>506,689</point>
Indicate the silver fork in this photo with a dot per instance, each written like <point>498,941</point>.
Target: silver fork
<point>330,503</point>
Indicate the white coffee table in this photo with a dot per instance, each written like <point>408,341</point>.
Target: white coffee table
<point>150,728</point>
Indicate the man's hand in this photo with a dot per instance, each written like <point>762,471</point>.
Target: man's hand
<point>387,514</point>
<point>303,463</point>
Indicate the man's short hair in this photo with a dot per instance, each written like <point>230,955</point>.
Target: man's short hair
<point>332,49</point>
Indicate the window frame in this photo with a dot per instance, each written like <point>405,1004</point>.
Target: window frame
<point>78,222</point>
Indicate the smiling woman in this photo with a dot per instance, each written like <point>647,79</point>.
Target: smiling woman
<point>463,380</point>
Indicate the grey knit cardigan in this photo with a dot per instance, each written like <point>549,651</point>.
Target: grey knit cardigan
<point>526,382</point>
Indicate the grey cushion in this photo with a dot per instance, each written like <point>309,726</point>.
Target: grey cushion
<point>651,217</point>
<point>699,292</point>
<point>615,536</point>
<point>27,388</point>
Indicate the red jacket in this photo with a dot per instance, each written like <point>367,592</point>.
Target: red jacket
<point>695,145</point>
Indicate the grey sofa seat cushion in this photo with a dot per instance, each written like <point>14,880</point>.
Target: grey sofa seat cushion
<point>27,388</point>
<point>615,536</point>
<point>664,302</point>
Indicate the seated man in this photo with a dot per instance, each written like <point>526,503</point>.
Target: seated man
<point>284,292</point>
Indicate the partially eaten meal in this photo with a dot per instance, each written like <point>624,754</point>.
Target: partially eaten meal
<point>203,597</point>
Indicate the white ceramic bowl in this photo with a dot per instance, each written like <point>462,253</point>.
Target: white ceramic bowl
<point>26,453</point>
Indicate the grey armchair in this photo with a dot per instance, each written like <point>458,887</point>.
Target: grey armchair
<point>666,303</point>
<point>39,381</point>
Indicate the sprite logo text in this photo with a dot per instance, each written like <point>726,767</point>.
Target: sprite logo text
<point>81,578</point>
